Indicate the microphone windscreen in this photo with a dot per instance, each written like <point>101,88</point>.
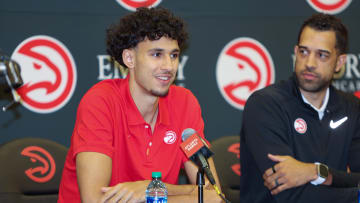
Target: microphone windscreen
<point>187,133</point>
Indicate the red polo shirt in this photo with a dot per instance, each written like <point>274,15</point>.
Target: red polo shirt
<point>109,122</point>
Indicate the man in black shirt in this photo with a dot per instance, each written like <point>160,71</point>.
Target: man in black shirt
<point>303,126</point>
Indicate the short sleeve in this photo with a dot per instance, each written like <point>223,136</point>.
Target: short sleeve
<point>93,130</point>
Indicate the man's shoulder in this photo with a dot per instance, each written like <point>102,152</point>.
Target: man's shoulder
<point>178,92</point>
<point>279,92</point>
<point>181,97</point>
<point>106,87</point>
<point>346,98</point>
<point>104,91</point>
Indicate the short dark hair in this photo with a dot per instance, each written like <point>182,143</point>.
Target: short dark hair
<point>326,22</point>
<point>151,23</point>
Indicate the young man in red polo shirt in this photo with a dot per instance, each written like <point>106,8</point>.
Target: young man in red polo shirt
<point>128,128</point>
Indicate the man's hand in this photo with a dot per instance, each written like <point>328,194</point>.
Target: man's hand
<point>125,192</point>
<point>289,173</point>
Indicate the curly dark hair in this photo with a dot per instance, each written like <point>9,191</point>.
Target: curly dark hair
<point>133,28</point>
<point>326,22</point>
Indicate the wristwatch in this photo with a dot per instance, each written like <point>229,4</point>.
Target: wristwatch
<point>322,172</point>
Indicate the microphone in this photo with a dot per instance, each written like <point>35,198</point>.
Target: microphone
<point>197,150</point>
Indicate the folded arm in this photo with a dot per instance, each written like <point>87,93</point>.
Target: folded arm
<point>269,132</point>
<point>94,174</point>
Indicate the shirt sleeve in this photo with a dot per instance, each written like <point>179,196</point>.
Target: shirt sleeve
<point>354,152</point>
<point>193,117</point>
<point>344,179</point>
<point>93,130</point>
<point>266,130</point>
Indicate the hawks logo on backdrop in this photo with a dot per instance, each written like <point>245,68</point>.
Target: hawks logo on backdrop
<point>48,71</point>
<point>235,148</point>
<point>243,66</point>
<point>329,6</point>
<point>132,5</point>
<point>46,170</point>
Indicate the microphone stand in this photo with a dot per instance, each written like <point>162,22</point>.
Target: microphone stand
<point>200,181</point>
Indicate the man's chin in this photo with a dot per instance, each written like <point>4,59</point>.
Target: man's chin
<point>160,93</point>
<point>314,88</point>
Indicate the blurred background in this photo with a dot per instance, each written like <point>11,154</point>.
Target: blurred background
<point>235,48</point>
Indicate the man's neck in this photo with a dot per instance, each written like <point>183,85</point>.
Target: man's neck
<point>314,98</point>
<point>146,103</point>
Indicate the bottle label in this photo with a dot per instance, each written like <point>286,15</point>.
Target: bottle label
<point>156,200</point>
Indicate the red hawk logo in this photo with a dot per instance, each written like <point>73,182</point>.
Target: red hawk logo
<point>235,148</point>
<point>243,66</point>
<point>329,6</point>
<point>300,125</point>
<point>47,168</point>
<point>48,71</point>
<point>132,5</point>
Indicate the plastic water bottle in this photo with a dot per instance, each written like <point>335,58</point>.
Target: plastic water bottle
<point>156,191</point>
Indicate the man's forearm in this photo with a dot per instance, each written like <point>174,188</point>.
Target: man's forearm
<point>180,189</point>
<point>189,193</point>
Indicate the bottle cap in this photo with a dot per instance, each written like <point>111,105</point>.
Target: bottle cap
<point>156,174</point>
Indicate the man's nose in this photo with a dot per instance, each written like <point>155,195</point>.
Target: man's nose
<point>311,61</point>
<point>168,63</point>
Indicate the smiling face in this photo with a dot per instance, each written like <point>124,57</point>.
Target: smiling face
<point>152,66</point>
<point>316,60</point>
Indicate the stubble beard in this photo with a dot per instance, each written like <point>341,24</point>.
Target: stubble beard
<point>159,93</point>
<point>312,86</point>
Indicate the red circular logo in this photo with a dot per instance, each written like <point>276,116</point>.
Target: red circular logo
<point>329,6</point>
<point>243,66</point>
<point>48,71</point>
<point>300,125</point>
<point>170,137</point>
<point>235,148</point>
<point>132,5</point>
<point>46,170</point>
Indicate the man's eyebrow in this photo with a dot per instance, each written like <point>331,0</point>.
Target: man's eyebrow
<point>156,50</point>
<point>326,51</point>
<point>302,47</point>
<point>319,50</point>
<point>162,50</point>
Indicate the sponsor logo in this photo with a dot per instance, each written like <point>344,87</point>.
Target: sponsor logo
<point>191,145</point>
<point>348,78</point>
<point>46,171</point>
<point>109,69</point>
<point>170,137</point>
<point>336,124</point>
<point>243,66</point>
<point>48,71</point>
<point>132,5</point>
<point>329,6</point>
<point>300,125</point>
<point>235,148</point>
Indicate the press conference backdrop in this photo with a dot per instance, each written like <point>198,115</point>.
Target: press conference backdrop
<point>235,48</point>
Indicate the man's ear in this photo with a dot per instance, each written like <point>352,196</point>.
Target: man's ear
<point>296,49</point>
<point>128,58</point>
<point>340,62</point>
